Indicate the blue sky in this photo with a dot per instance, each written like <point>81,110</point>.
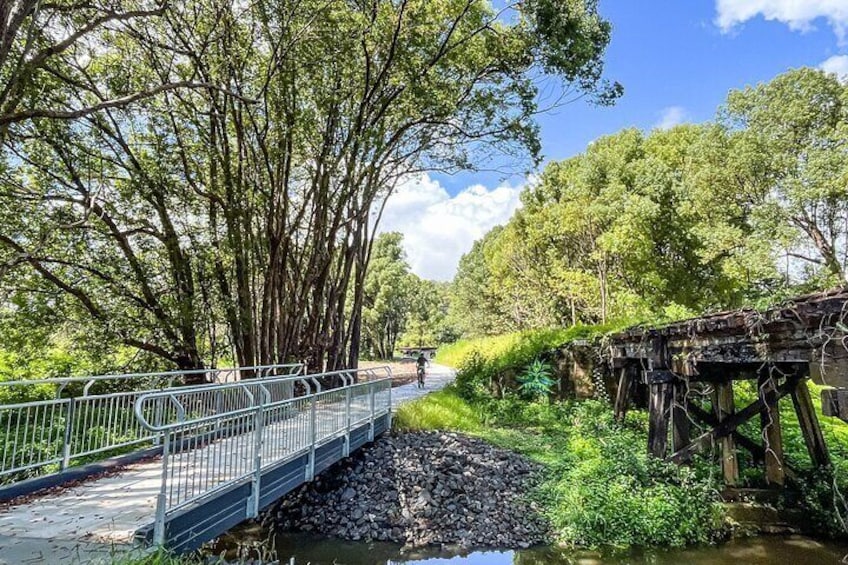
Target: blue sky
<point>677,60</point>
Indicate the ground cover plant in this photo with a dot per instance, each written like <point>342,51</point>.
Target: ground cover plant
<point>600,486</point>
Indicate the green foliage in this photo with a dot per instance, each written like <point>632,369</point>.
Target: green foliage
<point>599,486</point>
<point>742,211</point>
<point>399,308</point>
<point>386,297</point>
<point>232,216</point>
<point>536,380</point>
<point>480,360</point>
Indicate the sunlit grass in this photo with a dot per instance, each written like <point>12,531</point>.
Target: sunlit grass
<point>521,347</point>
<point>443,410</point>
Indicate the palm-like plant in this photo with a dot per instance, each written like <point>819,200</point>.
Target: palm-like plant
<point>536,380</point>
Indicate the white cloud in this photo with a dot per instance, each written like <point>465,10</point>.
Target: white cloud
<point>439,228</point>
<point>670,117</point>
<point>838,65</point>
<point>797,14</point>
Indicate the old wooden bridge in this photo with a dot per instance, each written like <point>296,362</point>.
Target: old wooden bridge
<point>687,370</point>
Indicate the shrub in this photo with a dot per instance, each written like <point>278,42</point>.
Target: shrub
<point>536,380</point>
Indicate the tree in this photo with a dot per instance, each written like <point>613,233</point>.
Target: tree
<point>388,293</point>
<point>475,305</point>
<point>670,223</point>
<point>234,219</point>
<point>795,128</point>
<point>428,323</point>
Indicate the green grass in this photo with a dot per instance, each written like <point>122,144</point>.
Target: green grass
<point>519,348</point>
<point>443,410</point>
<point>599,487</point>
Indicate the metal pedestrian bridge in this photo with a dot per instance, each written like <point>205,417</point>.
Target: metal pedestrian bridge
<point>136,458</point>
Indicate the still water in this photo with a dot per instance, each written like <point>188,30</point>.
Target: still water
<point>764,550</point>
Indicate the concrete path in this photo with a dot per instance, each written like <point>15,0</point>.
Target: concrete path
<point>93,521</point>
<point>438,377</point>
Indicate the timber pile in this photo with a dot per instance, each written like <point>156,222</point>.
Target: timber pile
<point>779,348</point>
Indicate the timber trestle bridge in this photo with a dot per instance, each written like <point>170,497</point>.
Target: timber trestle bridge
<point>135,459</point>
<point>680,365</point>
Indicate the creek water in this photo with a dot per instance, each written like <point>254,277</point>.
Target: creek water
<point>302,549</point>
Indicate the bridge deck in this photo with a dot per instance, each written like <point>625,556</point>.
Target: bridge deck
<point>102,515</point>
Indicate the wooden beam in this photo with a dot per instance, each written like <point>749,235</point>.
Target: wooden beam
<point>729,424</point>
<point>835,403</point>
<point>743,441</point>
<point>622,396</point>
<point>661,396</point>
<point>724,407</point>
<point>771,432</point>
<point>659,408</point>
<point>809,422</point>
<point>680,423</point>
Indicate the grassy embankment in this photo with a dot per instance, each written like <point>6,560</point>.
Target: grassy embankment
<point>599,485</point>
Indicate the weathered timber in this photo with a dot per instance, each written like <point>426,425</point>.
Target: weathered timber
<point>680,423</point>
<point>723,406</point>
<point>804,337</point>
<point>661,387</point>
<point>729,424</point>
<point>658,418</point>
<point>809,422</point>
<point>622,396</point>
<point>804,330</point>
<point>835,403</point>
<point>771,432</point>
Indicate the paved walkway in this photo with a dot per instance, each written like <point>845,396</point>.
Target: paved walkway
<point>438,377</point>
<point>95,520</point>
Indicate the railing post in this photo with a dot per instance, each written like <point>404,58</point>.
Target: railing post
<point>162,497</point>
<point>258,424</point>
<point>346,447</point>
<point>371,401</point>
<point>389,406</point>
<point>313,435</point>
<point>69,435</point>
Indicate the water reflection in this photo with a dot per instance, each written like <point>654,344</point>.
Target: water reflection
<point>315,550</point>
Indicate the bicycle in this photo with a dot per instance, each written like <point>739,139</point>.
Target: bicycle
<point>421,377</point>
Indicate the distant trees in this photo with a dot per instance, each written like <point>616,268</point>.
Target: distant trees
<point>399,308</point>
<point>196,179</point>
<point>699,217</point>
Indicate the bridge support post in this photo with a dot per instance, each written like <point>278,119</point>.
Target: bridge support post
<point>680,423</point>
<point>658,418</point>
<point>660,382</point>
<point>371,400</point>
<point>622,395</point>
<point>724,408</point>
<point>69,435</point>
<point>771,432</point>
<point>809,422</point>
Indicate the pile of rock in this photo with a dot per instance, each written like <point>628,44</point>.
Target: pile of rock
<point>419,489</point>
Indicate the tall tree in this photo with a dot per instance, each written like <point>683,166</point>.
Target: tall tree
<point>796,127</point>
<point>236,216</point>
